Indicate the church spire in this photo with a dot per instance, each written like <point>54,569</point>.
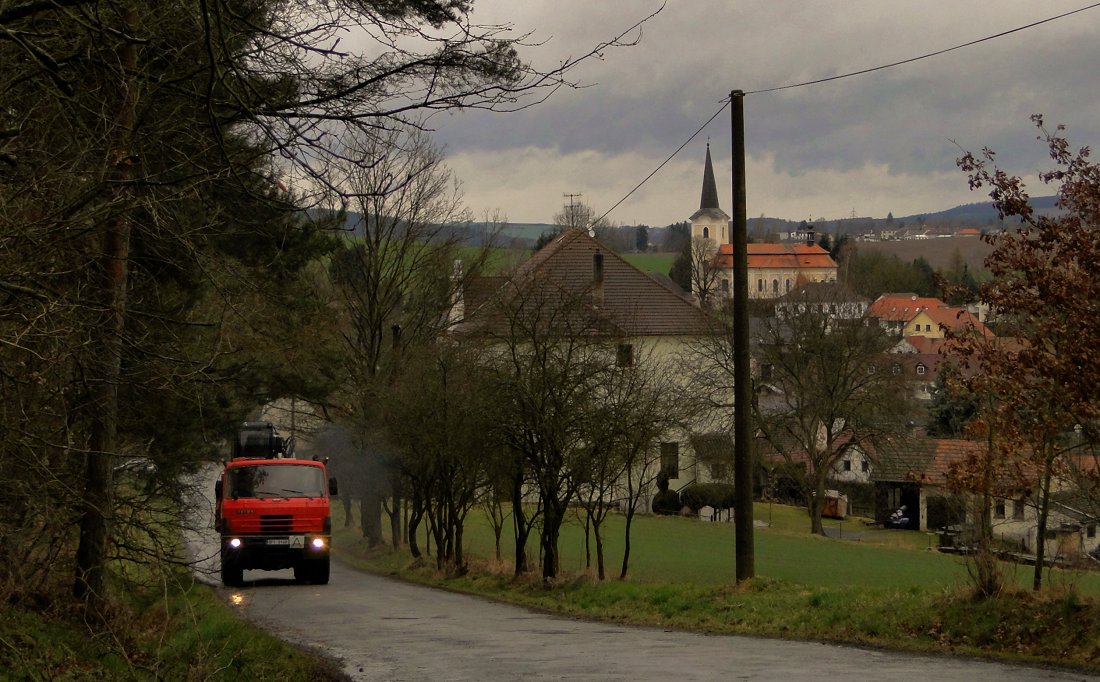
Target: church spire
<point>709,198</point>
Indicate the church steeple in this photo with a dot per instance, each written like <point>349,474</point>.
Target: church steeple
<point>710,235</point>
<point>709,198</point>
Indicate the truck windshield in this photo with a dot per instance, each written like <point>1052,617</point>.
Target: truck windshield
<point>275,480</point>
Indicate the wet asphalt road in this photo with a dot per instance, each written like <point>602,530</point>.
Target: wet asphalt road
<point>382,629</point>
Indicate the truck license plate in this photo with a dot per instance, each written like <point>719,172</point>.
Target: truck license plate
<point>278,541</point>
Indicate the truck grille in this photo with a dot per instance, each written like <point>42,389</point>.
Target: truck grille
<point>276,523</point>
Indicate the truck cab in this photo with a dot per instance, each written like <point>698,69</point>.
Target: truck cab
<point>273,512</point>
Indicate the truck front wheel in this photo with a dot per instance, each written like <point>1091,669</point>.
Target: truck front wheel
<point>232,573</point>
<point>312,571</point>
<point>320,572</point>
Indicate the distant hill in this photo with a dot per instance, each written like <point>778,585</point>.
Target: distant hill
<point>980,215</point>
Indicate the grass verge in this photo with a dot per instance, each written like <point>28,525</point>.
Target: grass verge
<point>878,589</point>
<point>181,632</point>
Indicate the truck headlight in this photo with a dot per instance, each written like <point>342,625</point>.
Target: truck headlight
<point>317,543</point>
<point>235,543</point>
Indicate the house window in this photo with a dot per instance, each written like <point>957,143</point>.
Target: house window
<point>864,466</point>
<point>766,371</point>
<point>706,232</point>
<point>1090,530</point>
<point>760,285</point>
<point>920,369</point>
<point>670,459</point>
<point>1018,509</point>
<point>927,327</point>
<point>624,357</point>
<point>725,285</point>
<point>788,286</point>
<point>847,465</point>
<point>775,286</point>
<point>916,327</point>
<point>896,369</point>
<point>999,509</point>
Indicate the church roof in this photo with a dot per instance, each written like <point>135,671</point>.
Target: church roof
<point>778,256</point>
<point>709,198</point>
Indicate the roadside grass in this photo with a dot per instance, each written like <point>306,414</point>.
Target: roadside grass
<point>161,624</point>
<point>878,588</point>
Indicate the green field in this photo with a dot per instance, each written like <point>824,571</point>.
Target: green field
<point>878,588</point>
<point>686,550</point>
<point>651,262</point>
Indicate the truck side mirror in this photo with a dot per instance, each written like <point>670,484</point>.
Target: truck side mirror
<point>332,489</point>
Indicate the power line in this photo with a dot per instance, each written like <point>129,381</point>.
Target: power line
<point>671,156</point>
<point>924,56</point>
<point>726,101</point>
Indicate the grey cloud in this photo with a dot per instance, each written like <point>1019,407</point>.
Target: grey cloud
<point>650,97</point>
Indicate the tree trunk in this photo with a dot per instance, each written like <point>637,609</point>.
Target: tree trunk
<point>600,573</point>
<point>519,526</point>
<point>460,559</point>
<point>626,542</point>
<point>395,515</point>
<point>587,540</point>
<point>106,367</point>
<point>416,512</point>
<point>1041,528</point>
<point>817,504</point>
<point>345,500</point>
<point>370,517</point>
<point>551,529</point>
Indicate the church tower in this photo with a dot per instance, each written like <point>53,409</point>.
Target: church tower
<point>710,222</point>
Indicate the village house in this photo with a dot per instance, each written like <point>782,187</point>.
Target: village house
<point>825,298</point>
<point>645,317</point>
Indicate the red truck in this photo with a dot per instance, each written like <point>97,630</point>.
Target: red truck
<point>272,510</point>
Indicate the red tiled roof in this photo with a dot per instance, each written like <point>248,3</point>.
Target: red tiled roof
<point>901,307</point>
<point>950,452</point>
<point>778,256</point>
<point>957,319</point>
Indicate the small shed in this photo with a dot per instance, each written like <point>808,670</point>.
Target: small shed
<point>836,505</point>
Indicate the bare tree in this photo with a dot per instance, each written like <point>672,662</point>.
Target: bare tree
<point>554,355</point>
<point>440,414</point>
<point>636,406</point>
<point>704,275</point>
<point>835,389</point>
<point>398,277</point>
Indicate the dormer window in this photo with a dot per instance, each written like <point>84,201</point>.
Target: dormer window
<point>706,232</point>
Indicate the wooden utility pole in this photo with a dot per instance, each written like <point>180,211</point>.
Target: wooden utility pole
<point>742,380</point>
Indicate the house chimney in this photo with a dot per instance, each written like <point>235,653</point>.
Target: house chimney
<point>597,278</point>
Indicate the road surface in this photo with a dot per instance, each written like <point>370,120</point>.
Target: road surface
<point>383,629</point>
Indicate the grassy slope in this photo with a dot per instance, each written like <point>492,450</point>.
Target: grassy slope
<point>184,632</point>
<point>886,589</point>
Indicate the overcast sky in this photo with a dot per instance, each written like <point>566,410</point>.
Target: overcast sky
<point>874,144</point>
